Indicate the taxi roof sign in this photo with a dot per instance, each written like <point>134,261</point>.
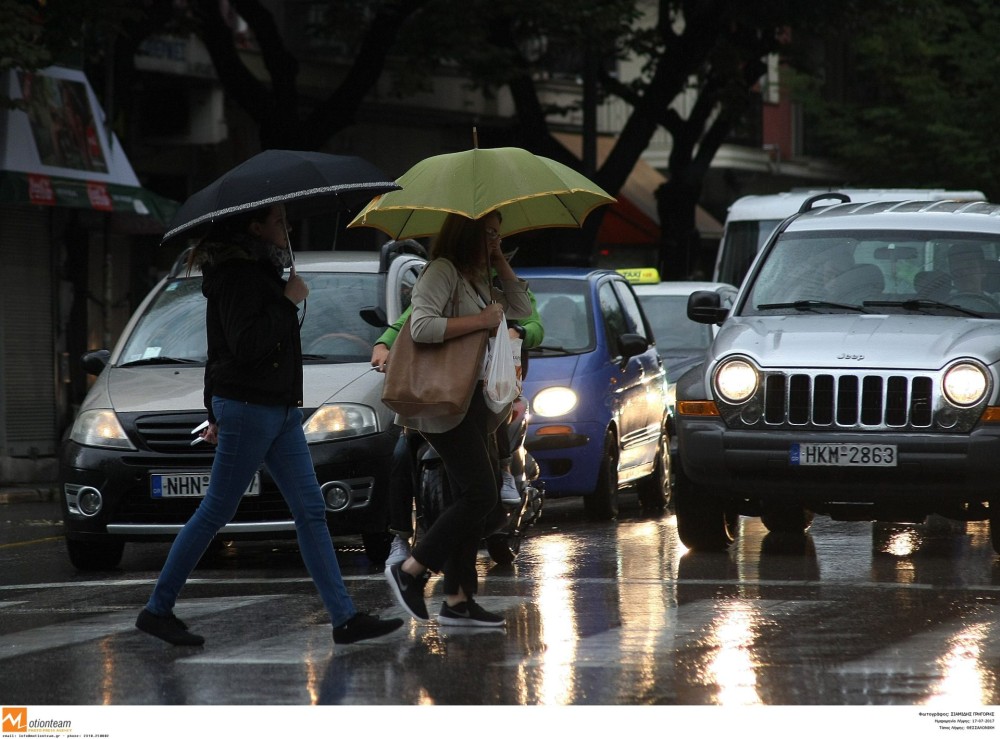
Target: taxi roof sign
<point>640,275</point>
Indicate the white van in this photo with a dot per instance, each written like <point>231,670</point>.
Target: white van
<point>753,218</point>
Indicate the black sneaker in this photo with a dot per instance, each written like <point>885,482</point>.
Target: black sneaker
<point>169,628</point>
<point>364,626</point>
<point>469,613</point>
<point>409,591</point>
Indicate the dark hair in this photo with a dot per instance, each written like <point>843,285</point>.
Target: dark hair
<point>229,230</point>
<point>459,238</point>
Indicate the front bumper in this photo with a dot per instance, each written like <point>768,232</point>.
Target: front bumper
<point>130,513</point>
<point>568,462</point>
<point>934,470</point>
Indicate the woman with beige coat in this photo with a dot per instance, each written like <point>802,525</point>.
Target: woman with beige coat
<point>462,254</point>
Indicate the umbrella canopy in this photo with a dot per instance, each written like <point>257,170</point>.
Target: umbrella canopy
<point>530,191</point>
<point>328,181</point>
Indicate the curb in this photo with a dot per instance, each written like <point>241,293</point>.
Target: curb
<point>29,492</point>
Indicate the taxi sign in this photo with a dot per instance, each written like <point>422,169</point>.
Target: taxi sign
<point>640,275</point>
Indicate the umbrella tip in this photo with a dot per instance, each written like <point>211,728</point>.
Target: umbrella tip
<point>475,138</point>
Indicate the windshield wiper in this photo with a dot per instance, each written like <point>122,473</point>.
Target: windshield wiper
<point>161,360</point>
<point>551,348</point>
<point>922,304</point>
<point>812,305</point>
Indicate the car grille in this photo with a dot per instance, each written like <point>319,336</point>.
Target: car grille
<point>850,400</point>
<point>168,433</point>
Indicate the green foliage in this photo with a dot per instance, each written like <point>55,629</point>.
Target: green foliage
<point>919,109</point>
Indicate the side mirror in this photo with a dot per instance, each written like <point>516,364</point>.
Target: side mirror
<point>374,316</point>
<point>95,362</point>
<point>705,306</point>
<point>629,345</point>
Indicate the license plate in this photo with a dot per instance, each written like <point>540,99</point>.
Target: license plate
<point>189,485</point>
<point>843,455</point>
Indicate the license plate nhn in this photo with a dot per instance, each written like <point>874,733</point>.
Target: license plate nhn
<point>843,455</point>
<point>189,485</point>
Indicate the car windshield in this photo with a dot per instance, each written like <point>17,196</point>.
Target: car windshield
<point>172,328</point>
<point>564,308</point>
<point>674,331</point>
<point>917,273</point>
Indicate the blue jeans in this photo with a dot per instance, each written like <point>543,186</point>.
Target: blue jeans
<point>249,435</point>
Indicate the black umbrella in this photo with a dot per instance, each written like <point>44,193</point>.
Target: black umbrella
<point>330,182</point>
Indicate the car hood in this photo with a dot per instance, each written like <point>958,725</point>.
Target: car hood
<point>849,340</point>
<point>172,388</point>
<point>545,371</point>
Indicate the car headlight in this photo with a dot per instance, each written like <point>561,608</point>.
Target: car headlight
<point>100,427</point>
<point>736,380</point>
<point>339,420</point>
<point>965,384</point>
<point>554,401</point>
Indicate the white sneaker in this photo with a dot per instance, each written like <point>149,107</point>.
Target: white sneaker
<point>399,551</point>
<point>508,491</point>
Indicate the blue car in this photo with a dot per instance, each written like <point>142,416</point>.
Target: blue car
<point>597,392</point>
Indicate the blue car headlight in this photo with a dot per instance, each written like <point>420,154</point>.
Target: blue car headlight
<point>100,427</point>
<point>554,401</point>
<point>333,421</point>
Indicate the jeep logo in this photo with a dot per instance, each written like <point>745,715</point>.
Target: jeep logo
<point>857,357</point>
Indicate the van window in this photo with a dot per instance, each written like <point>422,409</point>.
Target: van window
<point>740,244</point>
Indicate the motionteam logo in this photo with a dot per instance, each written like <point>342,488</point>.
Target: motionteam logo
<point>14,720</point>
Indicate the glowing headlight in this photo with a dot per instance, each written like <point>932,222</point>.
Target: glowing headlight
<point>100,427</point>
<point>736,380</point>
<point>554,401</point>
<point>339,420</point>
<point>965,384</point>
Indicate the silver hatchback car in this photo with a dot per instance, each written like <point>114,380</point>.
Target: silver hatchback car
<point>129,467</point>
<point>857,376</point>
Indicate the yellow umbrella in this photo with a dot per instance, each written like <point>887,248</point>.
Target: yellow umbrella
<point>530,191</point>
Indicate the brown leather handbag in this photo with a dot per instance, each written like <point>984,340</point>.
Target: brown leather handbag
<point>425,380</point>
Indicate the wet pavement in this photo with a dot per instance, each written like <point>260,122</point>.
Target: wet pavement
<point>599,614</point>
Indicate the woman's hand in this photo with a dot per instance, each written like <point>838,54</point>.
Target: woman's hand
<point>491,315</point>
<point>210,434</point>
<point>380,357</point>
<point>296,289</point>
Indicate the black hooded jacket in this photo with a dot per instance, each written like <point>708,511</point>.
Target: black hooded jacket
<point>254,350</point>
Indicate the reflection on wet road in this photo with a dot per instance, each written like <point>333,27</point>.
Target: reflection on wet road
<point>597,614</point>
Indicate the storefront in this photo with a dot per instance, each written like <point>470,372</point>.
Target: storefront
<point>72,211</point>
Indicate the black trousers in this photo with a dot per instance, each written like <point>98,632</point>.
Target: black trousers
<point>469,454</point>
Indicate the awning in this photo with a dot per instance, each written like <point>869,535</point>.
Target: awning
<point>57,152</point>
<point>634,218</point>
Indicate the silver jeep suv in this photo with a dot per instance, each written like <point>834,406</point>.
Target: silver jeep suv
<point>856,376</point>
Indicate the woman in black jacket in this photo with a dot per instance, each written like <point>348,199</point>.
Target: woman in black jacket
<point>253,393</point>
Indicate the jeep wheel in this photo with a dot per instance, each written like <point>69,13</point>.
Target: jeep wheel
<point>703,522</point>
<point>92,556</point>
<point>377,544</point>
<point>655,491</point>
<point>786,519</point>
<point>994,511</point>
<point>602,504</point>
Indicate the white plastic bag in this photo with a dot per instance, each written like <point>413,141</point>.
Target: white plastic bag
<point>500,384</point>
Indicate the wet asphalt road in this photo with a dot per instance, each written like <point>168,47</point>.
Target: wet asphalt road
<point>605,614</point>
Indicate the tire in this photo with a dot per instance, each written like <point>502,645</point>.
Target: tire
<point>602,504</point>
<point>503,547</point>
<point>786,519</point>
<point>994,514</point>
<point>94,556</point>
<point>377,545</point>
<point>434,494</point>
<point>656,491</point>
<point>704,524</point>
